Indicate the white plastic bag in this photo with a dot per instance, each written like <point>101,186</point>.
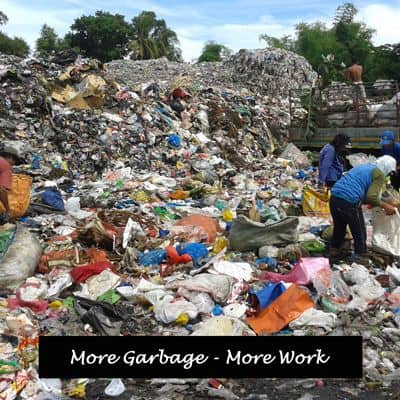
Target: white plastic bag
<point>386,232</point>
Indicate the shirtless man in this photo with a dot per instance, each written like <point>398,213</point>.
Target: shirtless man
<point>354,72</point>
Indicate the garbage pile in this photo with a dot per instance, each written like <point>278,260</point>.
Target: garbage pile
<point>272,71</point>
<point>143,218</point>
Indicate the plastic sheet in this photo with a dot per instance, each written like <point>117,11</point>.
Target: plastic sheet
<point>302,274</point>
<point>286,308</point>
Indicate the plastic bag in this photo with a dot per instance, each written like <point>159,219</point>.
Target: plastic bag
<point>53,198</point>
<point>201,300</point>
<point>302,274</point>
<point>222,326</point>
<point>206,224</point>
<point>153,257</point>
<point>218,286</point>
<point>30,295</point>
<point>20,260</point>
<point>239,270</point>
<point>294,154</point>
<point>285,309</point>
<point>20,195</point>
<point>386,232</point>
<point>195,250</point>
<point>315,204</point>
<point>264,297</point>
<point>174,141</point>
<point>314,317</point>
<point>168,310</point>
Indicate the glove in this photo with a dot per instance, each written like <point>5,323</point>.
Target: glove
<point>4,218</point>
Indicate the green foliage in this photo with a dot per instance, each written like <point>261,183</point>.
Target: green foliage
<point>285,42</point>
<point>15,46</point>
<point>151,38</point>
<point>384,63</point>
<point>49,43</point>
<point>103,36</point>
<point>348,41</point>
<point>213,51</point>
<point>3,18</point>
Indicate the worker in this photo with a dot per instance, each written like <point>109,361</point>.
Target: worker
<point>7,160</point>
<point>391,148</point>
<point>331,164</point>
<point>361,185</point>
<point>354,73</point>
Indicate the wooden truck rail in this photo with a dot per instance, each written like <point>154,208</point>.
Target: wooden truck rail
<point>342,108</point>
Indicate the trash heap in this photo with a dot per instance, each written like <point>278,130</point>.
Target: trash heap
<point>146,219</point>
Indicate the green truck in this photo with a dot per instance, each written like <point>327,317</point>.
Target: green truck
<point>317,115</point>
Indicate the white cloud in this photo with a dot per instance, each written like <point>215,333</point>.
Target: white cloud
<point>234,36</point>
<point>26,22</point>
<point>385,20</point>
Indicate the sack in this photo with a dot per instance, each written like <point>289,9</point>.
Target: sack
<point>247,235</point>
<point>386,232</point>
<point>20,260</point>
<point>20,195</point>
<point>53,198</point>
<point>315,204</point>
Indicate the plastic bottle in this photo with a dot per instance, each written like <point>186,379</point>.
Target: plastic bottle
<point>36,162</point>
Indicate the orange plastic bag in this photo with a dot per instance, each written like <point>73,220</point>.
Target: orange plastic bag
<point>179,195</point>
<point>285,309</point>
<point>19,196</point>
<point>207,224</point>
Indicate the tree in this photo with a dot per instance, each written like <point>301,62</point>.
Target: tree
<point>151,38</point>
<point>103,36</point>
<point>285,42</point>
<point>15,46</point>
<point>213,51</point>
<point>3,18</point>
<point>315,41</point>
<point>384,63</point>
<point>355,37</point>
<point>48,42</point>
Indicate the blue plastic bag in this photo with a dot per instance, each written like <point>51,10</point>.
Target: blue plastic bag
<point>152,257</point>
<point>270,261</point>
<point>269,293</point>
<point>174,141</point>
<point>196,250</point>
<point>53,198</point>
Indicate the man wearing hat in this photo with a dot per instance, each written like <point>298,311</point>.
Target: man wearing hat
<point>8,157</point>
<point>391,148</point>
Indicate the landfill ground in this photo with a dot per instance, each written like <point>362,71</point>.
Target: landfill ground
<point>166,199</point>
<point>260,389</point>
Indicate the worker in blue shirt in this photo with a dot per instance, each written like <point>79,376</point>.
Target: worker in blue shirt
<point>331,165</point>
<point>361,185</point>
<point>391,148</point>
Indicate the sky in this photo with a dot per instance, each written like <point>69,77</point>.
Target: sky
<point>235,23</point>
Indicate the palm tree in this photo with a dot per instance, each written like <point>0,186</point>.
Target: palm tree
<point>151,38</point>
